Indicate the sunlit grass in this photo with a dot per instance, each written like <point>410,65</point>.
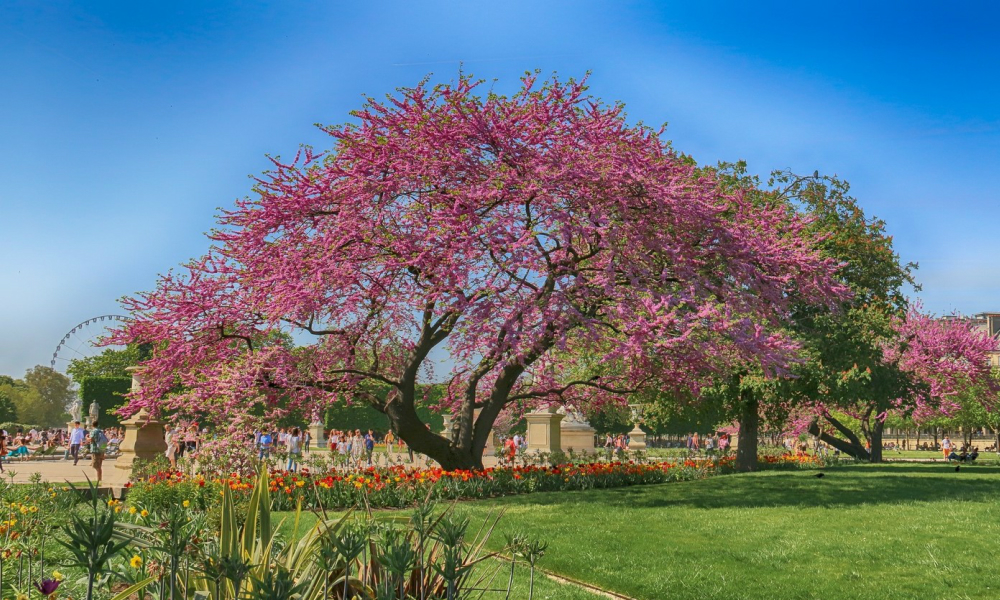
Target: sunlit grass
<point>887,531</point>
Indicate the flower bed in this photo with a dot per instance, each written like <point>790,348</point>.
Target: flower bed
<point>397,486</point>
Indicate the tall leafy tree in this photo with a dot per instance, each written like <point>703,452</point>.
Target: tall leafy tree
<point>41,397</point>
<point>874,353</point>
<point>833,340</point>
<point>509,230</point>
<point>8,410</point>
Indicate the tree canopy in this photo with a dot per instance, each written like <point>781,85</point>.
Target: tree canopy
<point>510,230</point>
<point>111,362</point>
<point>40,397</point>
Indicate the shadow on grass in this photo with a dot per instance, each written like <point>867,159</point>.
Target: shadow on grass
<point>841,486</point>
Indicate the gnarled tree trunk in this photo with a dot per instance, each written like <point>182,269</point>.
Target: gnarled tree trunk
<point>746,446</point>
<point>851,447</point>
<point>876,441</point>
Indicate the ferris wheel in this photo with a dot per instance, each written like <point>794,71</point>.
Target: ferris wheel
<point>81,341</point>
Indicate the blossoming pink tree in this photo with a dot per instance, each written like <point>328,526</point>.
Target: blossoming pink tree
<point>924,370</point>
<point>515,232</point>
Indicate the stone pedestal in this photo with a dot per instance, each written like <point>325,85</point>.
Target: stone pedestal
<point>143,434</point>
<point>576,436</point>
<point>544,434</point>
<point>143,439</point>
<point>317,434</point>
<point>637,438</point>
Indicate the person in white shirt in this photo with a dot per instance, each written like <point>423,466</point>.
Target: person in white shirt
<point>294,449</point>
<point>75,441</point>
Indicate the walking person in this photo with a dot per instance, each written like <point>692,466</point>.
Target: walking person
<point>369,446</point>
<point>75,441</point>
<point>389,439</point>
<point>357,447</point>
<point>946,446</point>
<point>98,447</point>
<point>264,443</point>
<point>3,449</point>
<point>294,440</point>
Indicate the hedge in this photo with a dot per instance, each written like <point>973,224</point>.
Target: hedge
<point>109,393</point>
<point>360,415</point>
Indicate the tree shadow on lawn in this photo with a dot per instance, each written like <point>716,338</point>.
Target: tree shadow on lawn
<point>843,486</point>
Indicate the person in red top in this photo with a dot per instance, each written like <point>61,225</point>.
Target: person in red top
<point>510,449</point>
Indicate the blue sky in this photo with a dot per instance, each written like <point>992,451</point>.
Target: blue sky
<point>125,126</point>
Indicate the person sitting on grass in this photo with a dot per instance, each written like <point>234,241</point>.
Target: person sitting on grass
<point>956,456</point>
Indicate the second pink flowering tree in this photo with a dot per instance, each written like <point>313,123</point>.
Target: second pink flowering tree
<point>508,234</point>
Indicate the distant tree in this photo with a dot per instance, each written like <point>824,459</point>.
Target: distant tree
<point>8,411</point>
<point>42,396</point>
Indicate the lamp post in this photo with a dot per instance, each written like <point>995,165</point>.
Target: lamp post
<point>636,437</point>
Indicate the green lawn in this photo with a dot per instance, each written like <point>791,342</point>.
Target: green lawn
<point>886,531</point>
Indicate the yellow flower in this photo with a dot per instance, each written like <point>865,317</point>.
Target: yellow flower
<point>144,513</point>
<point>57,575</point>
<point>22,597</point>
<point>136,561</point>
<point>186,503</point>
<point>53,494</point>
<point>34,509</point>
<point>132,510</point>
<point>118,509</point>
<point>299,483</point>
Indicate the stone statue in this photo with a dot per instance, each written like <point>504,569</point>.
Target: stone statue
<point>573,415</point>
<point>95,411</point>
<point>575,431</point>
<point>76,411</point>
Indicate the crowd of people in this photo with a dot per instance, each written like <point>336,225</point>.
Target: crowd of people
<point>183,438</point>
<point>76,443</point>
<point>356,448</point>
<point>22,444</point>
<point>349,447</point>
<point>710,444</point>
